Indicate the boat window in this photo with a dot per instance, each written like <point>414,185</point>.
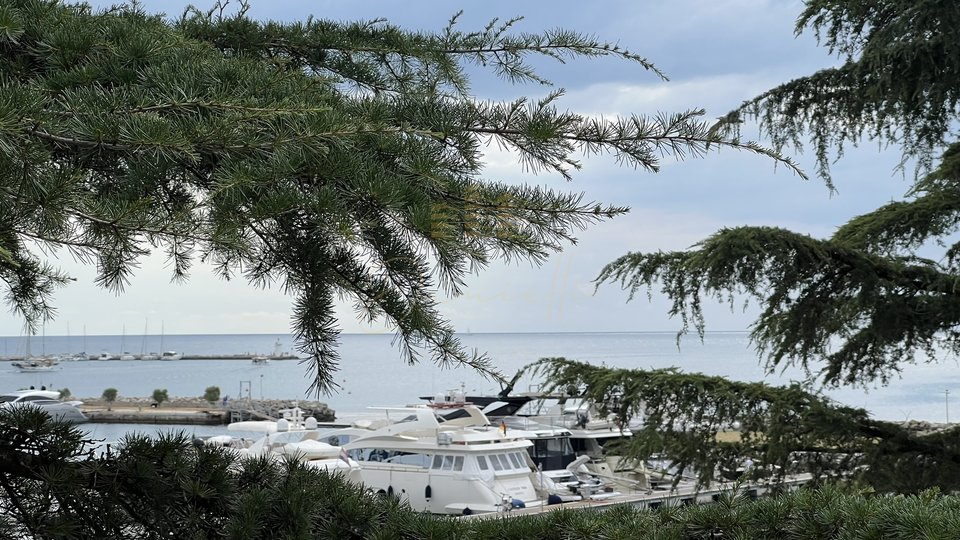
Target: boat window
<point>374,454</point>
<point>408,458</point>
<point>516,461</point>
<point>447,463</point>
<point>4,399</point>
<point>437,461</point>
<point>579,445</point>
<point>482,460</point>
<point>495,461</point>
<point>458,463</point>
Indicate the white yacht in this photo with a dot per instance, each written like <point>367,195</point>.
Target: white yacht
<point>587,434</point>
<point>170,355</point>
<point>291,437</point>
<point>49,401</point>
<point>458,466</point>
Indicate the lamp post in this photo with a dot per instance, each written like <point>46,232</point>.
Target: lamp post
<point>946,403</point>
<point>261,387</point>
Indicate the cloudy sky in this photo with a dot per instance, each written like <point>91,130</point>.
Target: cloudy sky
<point>717,53</point>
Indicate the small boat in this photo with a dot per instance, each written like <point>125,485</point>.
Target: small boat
<point>47,400</point>
<point>127,356</point>
<point>171,355</point>
<point>260,360</point>
<point>105,356</point>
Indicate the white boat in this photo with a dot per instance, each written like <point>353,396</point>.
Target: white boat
<point>170,355</point>
<point>47,400</point>
<point>459,466</point>
<point>260,360</point>
<point>29,365</point>
<point>588,433</point>
<point>125,355</point>
<point>105,356</point>
<point>291,437</point>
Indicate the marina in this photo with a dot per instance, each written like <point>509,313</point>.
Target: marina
<point>918,394</point>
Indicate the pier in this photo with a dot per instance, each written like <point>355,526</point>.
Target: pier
<point>188,411</point>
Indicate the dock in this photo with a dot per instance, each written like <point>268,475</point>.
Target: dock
<point>189,411</point>
<point>655,498</point>
<point>158,415</point>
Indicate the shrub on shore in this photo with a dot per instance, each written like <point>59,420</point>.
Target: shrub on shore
<point>211,394</point>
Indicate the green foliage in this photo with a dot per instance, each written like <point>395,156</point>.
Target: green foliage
<point>212,394</point>
<point>880,294</point>
<point>786,429</point>
<point>888,310</point>
<point>64,393</point>
<point>160,395</point>
<point>109,395</point>
<point>899,81</point>
<point>168,487</point>
<point>333,160</point>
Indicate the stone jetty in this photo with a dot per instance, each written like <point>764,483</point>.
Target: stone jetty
<point>194,411</point>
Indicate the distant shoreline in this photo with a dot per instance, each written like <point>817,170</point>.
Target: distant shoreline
<point>247,357</point>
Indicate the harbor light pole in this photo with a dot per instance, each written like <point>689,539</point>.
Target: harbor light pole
<point>946,403</point>
<point>261,387</point>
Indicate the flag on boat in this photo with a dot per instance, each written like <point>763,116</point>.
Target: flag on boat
<point>344,456</point>
<point>503,428</point>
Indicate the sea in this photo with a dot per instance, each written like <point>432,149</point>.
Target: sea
<point>373,374</point>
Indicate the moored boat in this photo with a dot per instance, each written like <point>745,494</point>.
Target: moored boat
<point>290,437</point>
<point>47,400</point>
<point>459,466</point>
<point>30,365</point>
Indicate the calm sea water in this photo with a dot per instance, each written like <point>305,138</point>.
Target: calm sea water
<point>372,373</point>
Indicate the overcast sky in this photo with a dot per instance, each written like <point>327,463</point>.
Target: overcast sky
<point>717,53</point>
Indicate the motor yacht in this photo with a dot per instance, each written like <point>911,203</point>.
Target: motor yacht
<point>290,437</point>
<point>47,400</point>
<point>586,434</point>
<point>463,465</point>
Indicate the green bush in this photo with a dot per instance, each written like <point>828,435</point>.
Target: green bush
<point>109,395</point>
<point>160,395</point>
<point>211,394</point>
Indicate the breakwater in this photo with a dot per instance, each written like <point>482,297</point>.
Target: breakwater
<point>239,356</point>
<point>192,411</point>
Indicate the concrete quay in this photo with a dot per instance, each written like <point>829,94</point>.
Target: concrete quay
<point>194,411</point>
<point>139,415</point>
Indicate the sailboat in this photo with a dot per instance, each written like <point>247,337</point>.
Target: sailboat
<point>32,363</point>
<point>125,355</point>
<point>143,346</point>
